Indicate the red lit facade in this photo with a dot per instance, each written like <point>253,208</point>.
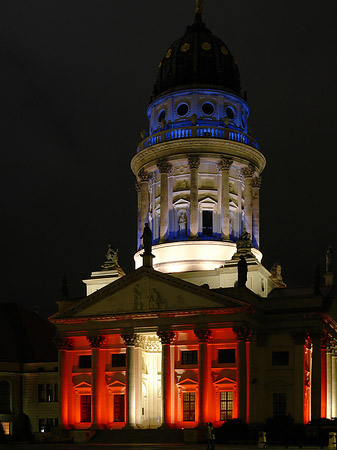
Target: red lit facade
<point>238,356</point>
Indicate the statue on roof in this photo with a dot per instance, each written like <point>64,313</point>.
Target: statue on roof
<point>147,239</point>
<point>111,260</point>
<point>245,240</point>
<point>242,271</point>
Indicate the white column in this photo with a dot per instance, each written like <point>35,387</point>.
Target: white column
<point>224,165</point>
<point>164,168</point>
<point>129,339</point>
<point>194,163</point>
<point>256,184</point>
<point>248,173</point>
<point>144,178</point>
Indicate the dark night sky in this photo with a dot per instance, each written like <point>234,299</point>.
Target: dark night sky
<point>75,82</point>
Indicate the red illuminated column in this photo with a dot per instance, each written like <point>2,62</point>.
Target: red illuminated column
<point>166,339</point>
<point>96,342</point>
<point>329,383</point>
<point>203,337</point>
<point>334,384</point>
<point>144,178</point>
<point>243,337</point>
<point>130,340</point>
<point>316,380</point>
<point>64,345</point>
<point>248,173</point>
<point>256,184</point>
<point>194,163</point>
<point>224,166</point>
<point>164,168</point>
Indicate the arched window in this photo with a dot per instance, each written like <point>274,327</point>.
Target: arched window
<point>5,397</point>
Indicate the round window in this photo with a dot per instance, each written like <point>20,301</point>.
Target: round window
<point>161,116</point>
<point>230,113</point>
<point>182,109</point>
<point>207,108</point>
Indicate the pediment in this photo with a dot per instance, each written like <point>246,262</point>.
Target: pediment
<point>187,382</point>
<point>116,383</point>
<point>148,291</point>
<point>224,380</point>
<point>82,385</point>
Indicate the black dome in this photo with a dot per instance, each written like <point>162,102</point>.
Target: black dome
<point>198,59</point>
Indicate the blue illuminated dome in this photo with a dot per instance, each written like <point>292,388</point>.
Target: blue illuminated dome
<point>197,60</point>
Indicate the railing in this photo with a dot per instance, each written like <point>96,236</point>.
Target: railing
<point>198,132</point>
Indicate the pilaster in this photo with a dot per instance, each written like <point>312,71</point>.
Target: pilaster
<point>96,343</point>
<point>256,184</point>
<point>64,346</point>
<point>243,336</point>
<point>248,174</point>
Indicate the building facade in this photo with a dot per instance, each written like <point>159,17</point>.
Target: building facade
<point>179,341</point>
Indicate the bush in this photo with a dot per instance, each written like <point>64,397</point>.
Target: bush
<point>22,430</point>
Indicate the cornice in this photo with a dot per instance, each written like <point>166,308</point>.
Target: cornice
<point>205,148</point>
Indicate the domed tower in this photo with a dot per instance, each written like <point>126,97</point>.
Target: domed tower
<point>197,169</point>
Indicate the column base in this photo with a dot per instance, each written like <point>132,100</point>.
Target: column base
<point>147,260</point>
<point>129,426</point>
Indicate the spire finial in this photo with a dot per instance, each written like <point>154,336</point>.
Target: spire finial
<point>199,6</point>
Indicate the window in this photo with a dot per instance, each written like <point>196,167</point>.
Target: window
<point>207,223</point>
<point>46,424</point>
<point>279,405</point>
<point>226,405</point>
<point>118,408</point>
<point>6,427</point>
<point>5,397</point>
<point>226,356</point>
<point>207,108</point>
<point>48,392</point>
<point>118,360</point>
<point>189,357</point>
<point>189,406</point>
<point>280,358</point>
<point>182,109</point>
<point>85,408</point>
<point>84,361</point>
<point>41,393</point>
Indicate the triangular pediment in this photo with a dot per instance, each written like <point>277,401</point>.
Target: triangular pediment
<point>187,382</point>
<point>148,291</point>
<point>224,380</point>
<point>116,383</point>
<point>82,385</point>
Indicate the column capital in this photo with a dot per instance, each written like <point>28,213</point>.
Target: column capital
<point>166,337</point>
<point>248,171</point>
<point>243,333</point>
<point>194,161</point>
<point>129,338</point>
<point>256,182</point>
<point>63,343</point>
<point>225,164</point>
<point>96,341</point>
<point>143,175</point>
<point>137,186</point>
<point>203,335</point>
<point>164,166</point>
